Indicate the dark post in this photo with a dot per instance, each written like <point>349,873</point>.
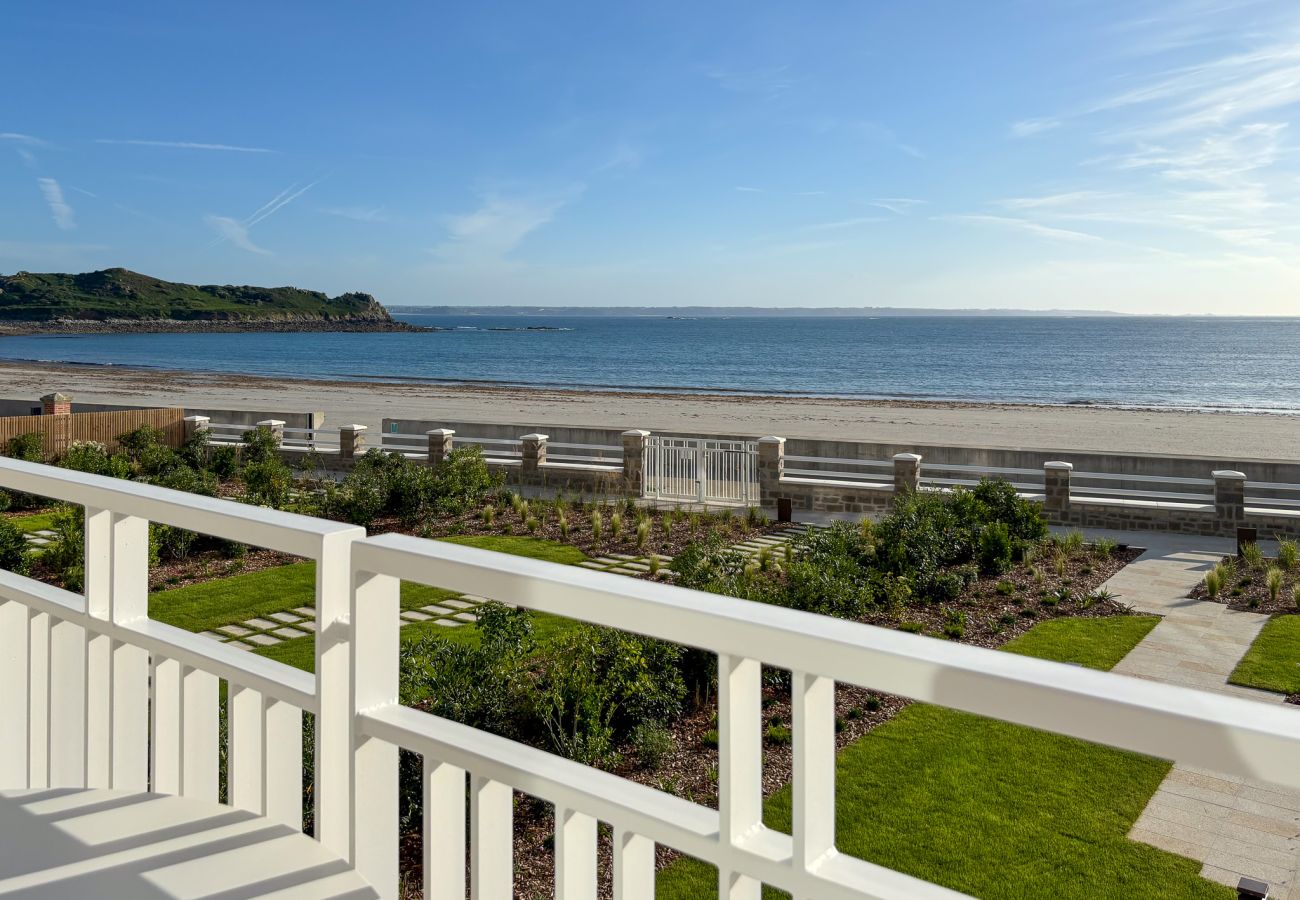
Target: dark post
<point>784,509</point>
<point>1246,534</point>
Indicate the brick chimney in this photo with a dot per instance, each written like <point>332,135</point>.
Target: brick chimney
<point>56,404</point>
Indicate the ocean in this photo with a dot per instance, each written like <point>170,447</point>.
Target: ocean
<point>1192,363</point>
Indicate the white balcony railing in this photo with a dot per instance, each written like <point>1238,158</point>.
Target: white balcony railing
<point>93,693</point>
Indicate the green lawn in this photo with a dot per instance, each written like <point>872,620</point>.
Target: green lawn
<point>42,521</point>
<point>202,607</point>
<point>301,652</point>
<point>1273,661</point>
<point>997,810</point>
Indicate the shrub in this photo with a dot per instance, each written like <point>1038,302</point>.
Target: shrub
<point>172,543</point>
<point>1273,583</point>
<point>1252,555</point>
<point>268,481</point>
<point>615,525</point>
<point>651,743</point>
<point>1287,554</point>
<point>28,447</point>
<point>1213,584</point>
<point>93,457</point>
<point>597,524</point>
<point>463,479</point>
<point>66,555</point>
<point>532,524</point>
<point>642,533</point>
<point>1005,588</point>
<point>14,553</point>
<point>562,521</point>
<point>778,734</point>
<point>488,514</point>
<point>1104,548</point>
<point>912,627</point>
<point>1072,543</point>
<point>995,548</point>
<point>223,460</point>
<point>654,564</point>
<point>954,623</point>
<point>1295,595</point>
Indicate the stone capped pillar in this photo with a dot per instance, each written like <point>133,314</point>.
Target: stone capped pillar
<point>907,472</point>
<point>352,441</point>
<point>56,404</point>
<point>771,468</point>
<point>275,426</point>
<point>1229,497</point>
<point>440,441</point>
<point>634,443</point>
<point>194,425</point>
<point>1056,484</point>
<point>534,452</point>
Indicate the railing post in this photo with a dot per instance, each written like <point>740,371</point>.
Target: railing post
<point>1056,487</point>
<point>634,444</point>
<point>1229,498</point>
<point>771,468</point>
<point>117,591</point>
<point>276,427</point>
<point>352,441</point>
<point>534,453</point>
<point>194,425</point>
<point>907,473</point>
<point>440,443</point>
<point>372,667</point>
<point>740,765</point>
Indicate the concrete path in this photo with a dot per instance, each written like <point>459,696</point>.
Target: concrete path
<point>1235,827</point>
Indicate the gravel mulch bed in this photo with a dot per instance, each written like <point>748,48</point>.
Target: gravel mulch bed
<point>1247,591</point>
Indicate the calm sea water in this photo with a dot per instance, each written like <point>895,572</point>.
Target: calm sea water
<point>1223,363</point>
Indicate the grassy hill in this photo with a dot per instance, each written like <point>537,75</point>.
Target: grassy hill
<point>119,294</point>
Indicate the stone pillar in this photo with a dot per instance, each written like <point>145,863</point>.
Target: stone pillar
<point>352,441</point>
<point>195,424</point>
<point>907,472</point>
<point>1056,486</point>
<point>771,468</point>
<point>440,440</point>
<point>533,447</point>
<point>56,404</point>
<point>634,442</point>
<point>275,426</point>
<point>1229,498</point>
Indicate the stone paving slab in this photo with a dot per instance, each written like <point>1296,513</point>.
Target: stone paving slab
<point>288,633</point>
<point>286,618</point>
<point>1234,826</point>
<point>259,624</point>
<point>307,612</point>
<point>262,640</point>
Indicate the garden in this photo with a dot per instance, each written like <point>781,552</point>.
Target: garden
<point>973,565</point>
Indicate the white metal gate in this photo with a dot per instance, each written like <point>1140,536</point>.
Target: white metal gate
<point>701,470</point>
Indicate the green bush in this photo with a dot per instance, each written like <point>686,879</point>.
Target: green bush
<point>1252,555</point>
<point>651,743</point>
<point>995,548</point>
<point>66,556</point>
<point>94,458</point>
<point>28,447</point>
<point>268,481</point>
<point>14,554</point>
<point>1287,554</point>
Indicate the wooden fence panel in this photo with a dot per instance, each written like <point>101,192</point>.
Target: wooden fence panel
<point>61,431</point>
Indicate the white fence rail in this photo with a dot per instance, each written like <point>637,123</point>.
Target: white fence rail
<point>830,468</point>
<point>1163,489</point>
<point>604,455</point>
<point>93,693</point>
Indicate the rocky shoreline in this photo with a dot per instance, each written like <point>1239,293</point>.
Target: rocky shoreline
<point>196,326</point>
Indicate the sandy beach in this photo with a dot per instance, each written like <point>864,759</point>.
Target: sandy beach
<point>984,425</point>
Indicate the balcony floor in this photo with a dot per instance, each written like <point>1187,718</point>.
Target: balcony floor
<point>68,843</point>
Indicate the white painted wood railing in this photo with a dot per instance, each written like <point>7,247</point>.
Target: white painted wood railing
<point>92,692</point>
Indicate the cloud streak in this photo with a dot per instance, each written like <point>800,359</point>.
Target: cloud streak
<point>184,145</point>
<point>234,232</point>
<point>358,213</point>
<point>60,211</point>
<point>1035,228</point>
<point>499,225</point>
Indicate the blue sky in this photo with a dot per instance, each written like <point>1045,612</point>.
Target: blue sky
<point>1107,154</point>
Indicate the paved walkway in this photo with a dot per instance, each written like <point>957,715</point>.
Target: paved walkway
<point>1233,826</point>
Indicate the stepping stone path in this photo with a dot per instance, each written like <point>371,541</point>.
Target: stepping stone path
<point>301,622</point>
<point>455,612</point>
<point>40,539</point>
<point>627,564</point>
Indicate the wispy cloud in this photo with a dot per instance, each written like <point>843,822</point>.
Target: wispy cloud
<point>1026,225</point>
<point>769,81</point>
<point>26,140</point>
<point>1030,127</point>
<point>499,225</point>
<point>625,157</point>
<point>845,223</point>
<point>59,208</point>
<point>358,213</point>
<point>185,145</point>
<point>234,232</point>
<point>898,205</point>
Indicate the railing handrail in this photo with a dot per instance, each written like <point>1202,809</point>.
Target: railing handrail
<point>284,531</point>
<point>1150,717</point>
<point>872,463</point>
<point>568,446</point>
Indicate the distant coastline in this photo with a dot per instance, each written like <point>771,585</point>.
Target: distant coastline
<point>748,312</point>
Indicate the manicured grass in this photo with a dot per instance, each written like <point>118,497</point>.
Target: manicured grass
<point>42,521</point>
<point>522,545</point>
<point>300,652</point>
<point>202,607</point>
<point>997,810</point>
<point>1273,661</point>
